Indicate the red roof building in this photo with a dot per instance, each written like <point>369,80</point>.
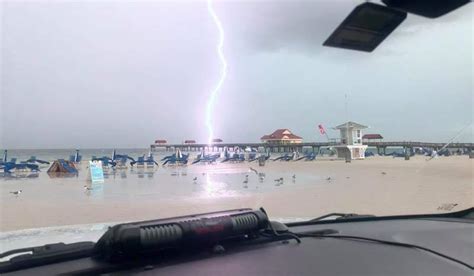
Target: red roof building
<point>190,141</point>
<point>281,136</point>
<point>160,142</point>
<point>372,137</point>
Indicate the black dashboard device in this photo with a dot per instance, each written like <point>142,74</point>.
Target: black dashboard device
<point>137,238</point>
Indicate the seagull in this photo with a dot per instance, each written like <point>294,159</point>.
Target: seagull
<point>16,192</point>
<point>447,206</point>
<point>254,170</point>
<point>384,173</point>
<point>246,181</point>
<point>329,179</point>
<point>195,179</point>
<point>294,176</point>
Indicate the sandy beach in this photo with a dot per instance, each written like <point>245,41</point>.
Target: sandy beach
<point>377,185</point>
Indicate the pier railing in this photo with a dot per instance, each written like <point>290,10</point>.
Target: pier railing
<point>299,147</point>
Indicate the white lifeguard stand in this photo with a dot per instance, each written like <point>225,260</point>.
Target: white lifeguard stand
<point>351,141</point>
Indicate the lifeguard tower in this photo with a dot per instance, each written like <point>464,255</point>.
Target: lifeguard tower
<point>351,141</point>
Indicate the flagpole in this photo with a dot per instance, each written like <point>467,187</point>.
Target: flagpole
<point>347,119</point>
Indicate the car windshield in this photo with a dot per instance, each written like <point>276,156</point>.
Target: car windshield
<point>117,111</point>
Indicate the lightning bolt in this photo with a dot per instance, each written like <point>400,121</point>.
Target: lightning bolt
<point>215,91</point>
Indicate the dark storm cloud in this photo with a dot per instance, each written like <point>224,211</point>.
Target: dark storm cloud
<point>269,26</point>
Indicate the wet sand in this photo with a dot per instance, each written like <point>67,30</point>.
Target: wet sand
<point>377,185</point>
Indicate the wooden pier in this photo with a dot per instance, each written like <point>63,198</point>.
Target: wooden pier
<point>301,147</point>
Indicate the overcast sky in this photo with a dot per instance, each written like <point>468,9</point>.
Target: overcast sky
<point>124,73</point>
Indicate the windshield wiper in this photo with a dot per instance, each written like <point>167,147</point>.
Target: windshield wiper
<point>465,215</point>
<point>46,254</point>
<point>341,216</point>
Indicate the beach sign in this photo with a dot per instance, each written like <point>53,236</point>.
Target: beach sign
<point>96,171</point>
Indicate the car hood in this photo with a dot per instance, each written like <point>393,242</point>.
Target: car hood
<point>41,236</point>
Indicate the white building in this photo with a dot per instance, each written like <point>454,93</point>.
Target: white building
<point>351,140</point>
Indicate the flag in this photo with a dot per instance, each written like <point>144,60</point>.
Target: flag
<point>321,129</point>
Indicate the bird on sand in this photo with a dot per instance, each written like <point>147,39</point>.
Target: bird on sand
<point>279,181</point>
<point>16,192</point>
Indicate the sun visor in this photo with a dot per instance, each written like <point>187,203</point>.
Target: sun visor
<point>427,8</point>
<point>365,27</point>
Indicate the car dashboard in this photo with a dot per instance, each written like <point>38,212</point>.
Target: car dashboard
<point>452,237</point>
